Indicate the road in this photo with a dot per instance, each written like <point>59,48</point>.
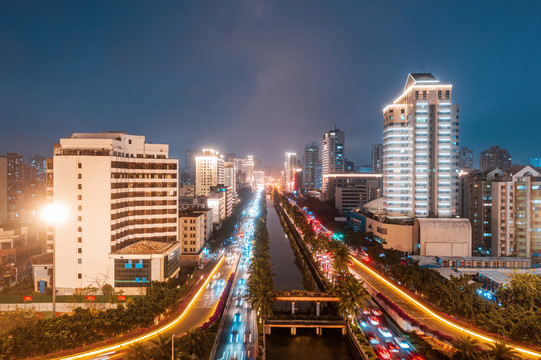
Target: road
<point>238,339</point>
<point>421,311</point>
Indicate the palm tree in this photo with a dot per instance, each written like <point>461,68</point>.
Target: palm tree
<point>352,295</point>
<point>197,342</point>
<point>137,351</point>
<point>162,347</point>
<point>340,258</point>
<point>501,351</point>
<point>466,348</point>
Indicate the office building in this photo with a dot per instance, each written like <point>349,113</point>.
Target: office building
<point>230,175</point>
<point>310,161</point>
<point>333,152</point>
<point>3,189</point>
<point>209,171</point>
<point>516,210</point>
<point>420,150</point>
<point>465,160</point>
<point>495,158</point>
<point>195,228</point>
<point>352,190</point>
<point>118,191</point>
<point>290,167</point>
<point>377,158</point>
<point>478,207</point>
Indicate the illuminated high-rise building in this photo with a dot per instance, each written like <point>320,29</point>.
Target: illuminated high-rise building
<point>290,166</point>
<point>420,150</point>
<point>120,194</point>
<point>209,171</point>
<point>377,158</point>
<point>465,159</point>
<point>495,157</point>
<point>334,142</point>
<point>310,162</point>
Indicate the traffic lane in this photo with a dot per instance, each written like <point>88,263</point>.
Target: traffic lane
<point>201,310</point>
<point>237,324</point>
<point>375,324</point>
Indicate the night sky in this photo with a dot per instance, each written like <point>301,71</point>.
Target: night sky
<point>263,77</point>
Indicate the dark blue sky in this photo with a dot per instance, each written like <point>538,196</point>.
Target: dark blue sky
<point>263,77</point>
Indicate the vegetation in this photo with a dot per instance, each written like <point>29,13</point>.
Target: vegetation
<point>352,297</point>
<point>260,281</point>
<point>86,326</point>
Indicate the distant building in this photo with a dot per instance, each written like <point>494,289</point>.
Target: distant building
<point>230,175</point>
<point>188,173</point>
<point>3,189</point>
<point>465,159</point>
<point>495,158</point>
<point>209,171</point>
<point>352,190</point>
<point>118,191</point>
<point>333,152</point>
<point>259,177</point>
<point>310,161</point>
<point>516,199</point>
<point>16,185</point>
<point>195,229</point>
<point>377,158</point>
<point>366,169</point>
<point>350,166</point>
<point>478,207</point>
<point>420,150</point>
<point>290,167</point>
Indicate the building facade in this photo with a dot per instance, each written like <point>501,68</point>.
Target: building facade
<point>209,171</point>
<point>377,158</point>
<point>195,228</point>
<point>118,190</point>
<point>516,214</point>
<point>290,167</point>
<point>352,190</point>
<point>420,150</point>
<point>465,160</point>
<point>495,157</point>
<point>310,162</point>
<point>333,152</point>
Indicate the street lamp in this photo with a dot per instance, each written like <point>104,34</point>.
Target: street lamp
<point>54,214</point>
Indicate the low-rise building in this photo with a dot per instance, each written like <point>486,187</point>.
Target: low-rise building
<point>136,265</point>
<point>195,229</point>
<point>42,267</point>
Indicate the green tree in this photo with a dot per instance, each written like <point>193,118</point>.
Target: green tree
<point>467,348</point>
<point>161,349</point>
<point>501,351</point>
<point>137,351</point>
<point>352,297</point>
<point>197,342</point>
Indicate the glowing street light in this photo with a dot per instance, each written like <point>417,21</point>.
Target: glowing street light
<point>54,214</point>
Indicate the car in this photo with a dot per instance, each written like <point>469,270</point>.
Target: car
<point>365,311</point>
<point>247,337</point>
<point>234,337</point>
<point>237,318</point>
<point>372,338</point>
<point>385,332</point>
<point>373,320</point>
<point>200,266</point>
<point>242,281</point>
<point>416,357</point>
<point>376,311</point>
<point>363,323</point>
<point>391,346</point>
<point>239,302</point>
<point>383,353</point>
<point>403,343</point>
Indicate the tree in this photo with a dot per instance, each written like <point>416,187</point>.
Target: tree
<point>197,342</point>
<point>501,351</point>
<point>161,349</point>
<point>352,296</point>
<point>137,351</point>
<point>466,348</point>
<point>340,257</point>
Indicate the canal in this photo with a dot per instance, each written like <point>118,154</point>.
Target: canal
<point>288,276</point>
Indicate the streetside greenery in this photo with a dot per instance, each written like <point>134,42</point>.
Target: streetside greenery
<point>517,318</point>
<point>87,326</point>
<point>260,283</point>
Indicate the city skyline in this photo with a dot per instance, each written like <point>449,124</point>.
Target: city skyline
<point>240,74</point>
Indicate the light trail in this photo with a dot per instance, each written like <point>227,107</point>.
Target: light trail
<point>438,317</point>
<point>154,333</point>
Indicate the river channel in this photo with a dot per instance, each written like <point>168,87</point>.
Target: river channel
<point>306,344</point>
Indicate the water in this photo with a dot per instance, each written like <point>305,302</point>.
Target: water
<point>306,345</point>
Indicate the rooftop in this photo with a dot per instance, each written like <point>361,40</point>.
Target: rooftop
<point>42,259</point>
<point>147,247</point>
